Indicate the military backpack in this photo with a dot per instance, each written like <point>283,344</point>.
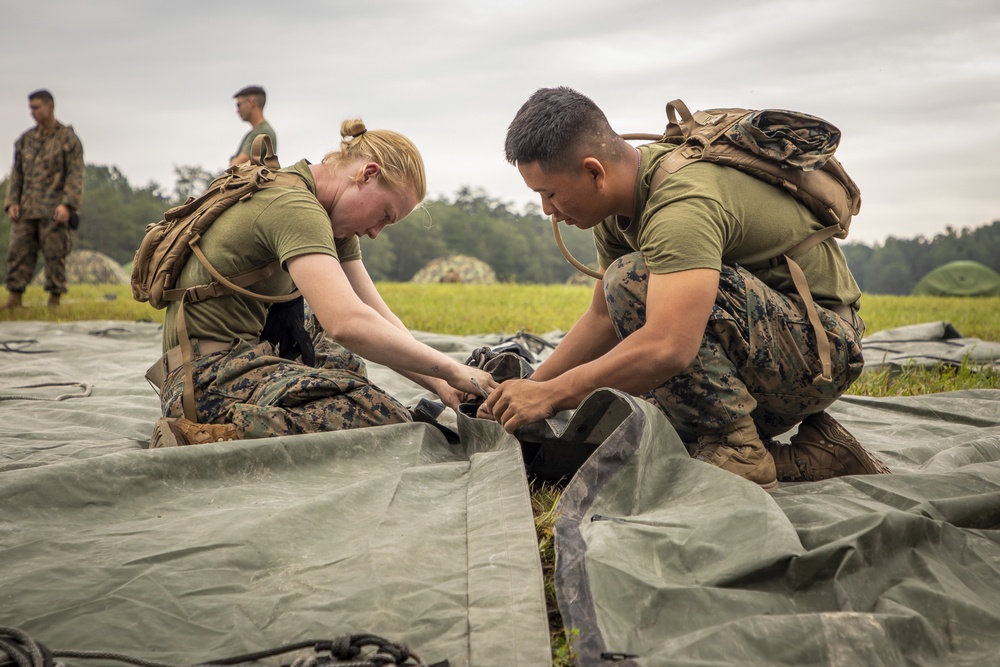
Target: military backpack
<point>788,149</point>
<point>169,243</point>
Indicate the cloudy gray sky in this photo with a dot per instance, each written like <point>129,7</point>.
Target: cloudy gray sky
<point>914,85</point>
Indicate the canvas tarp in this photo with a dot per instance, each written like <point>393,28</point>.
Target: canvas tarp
<point>188,554</point>
<point>927,344</point>
<point>665,560</point>
<point>203,552</point>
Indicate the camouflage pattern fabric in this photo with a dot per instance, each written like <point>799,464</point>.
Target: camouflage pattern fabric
<point>27,237</point>
<point>264,395</point>
<point>456,269</point>
<point>795,138</point>
<point>758,356</point>
<point>48,171</point>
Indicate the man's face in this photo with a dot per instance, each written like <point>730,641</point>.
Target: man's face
<point>569,196</point>
<point>41,110</point>
<point>243,106</point>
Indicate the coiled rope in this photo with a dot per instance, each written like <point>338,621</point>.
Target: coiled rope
<point>20,346</point>
<point>86,390</point>
<point>20,649</point>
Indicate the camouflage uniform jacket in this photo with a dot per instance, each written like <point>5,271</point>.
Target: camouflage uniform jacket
<point>48,171</point>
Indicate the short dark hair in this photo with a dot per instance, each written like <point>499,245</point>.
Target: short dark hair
<point>42,95</point>
<point>555,125</point>
<point>257,92</point>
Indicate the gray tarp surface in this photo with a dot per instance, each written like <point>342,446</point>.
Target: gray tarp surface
<point>194,553</point>
<point>204,552</point>
<point>927,344</point>
<point>676,562</point>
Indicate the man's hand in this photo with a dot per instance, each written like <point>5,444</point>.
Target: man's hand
<point>62,214</point>
<point>518,402</point>
<point>14,211</point>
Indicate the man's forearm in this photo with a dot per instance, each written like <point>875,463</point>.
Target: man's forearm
<point>590,338</point>
<point>640,363</point>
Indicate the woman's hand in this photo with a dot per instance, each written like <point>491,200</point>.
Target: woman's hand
<point>470,380</point>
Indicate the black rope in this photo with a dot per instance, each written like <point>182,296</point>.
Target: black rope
<point>538,342</point>
<point>480,356</point>
<point>108,331</point>
<point>18,648</point>
<point>87,389</point>
<point>19,345</point>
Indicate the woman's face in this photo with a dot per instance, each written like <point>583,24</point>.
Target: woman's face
<point>367,206</point>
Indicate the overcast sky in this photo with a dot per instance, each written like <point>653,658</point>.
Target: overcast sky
<point>914,85</point>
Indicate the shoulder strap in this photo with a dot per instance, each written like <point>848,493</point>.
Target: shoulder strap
<point>262,153</point>
<point>223,286</point>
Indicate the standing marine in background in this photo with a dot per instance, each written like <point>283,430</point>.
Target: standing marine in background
<point>250,107</point>
<point>43,197</point>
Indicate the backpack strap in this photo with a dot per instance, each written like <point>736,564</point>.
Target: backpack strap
<point>232,284</point>
<point>187,359</point>
<point>822,342</point>
<point>262,153</point>
<point>223,286</point>
<point>798,279</point>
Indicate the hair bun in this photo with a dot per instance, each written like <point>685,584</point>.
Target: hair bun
<point>351,129</point>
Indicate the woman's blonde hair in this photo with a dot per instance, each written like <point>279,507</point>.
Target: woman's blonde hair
<point>402,166</point>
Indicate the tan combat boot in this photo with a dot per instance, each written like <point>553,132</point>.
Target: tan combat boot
<point>823,449</point>
<point>173,432</point>
<point>739,451</point>
<point>13,301</point>
<point>54,300</point>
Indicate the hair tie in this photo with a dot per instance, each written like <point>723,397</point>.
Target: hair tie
<point>360,133</point>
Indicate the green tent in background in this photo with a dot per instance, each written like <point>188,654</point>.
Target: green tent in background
<point>456,269</point>
<point>961,278</point>
<point>89,267</point>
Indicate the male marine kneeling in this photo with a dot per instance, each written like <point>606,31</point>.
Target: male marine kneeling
<point>727,354</point>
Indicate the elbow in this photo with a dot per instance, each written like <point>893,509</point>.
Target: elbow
<point>668,363</point>
<point>346,332</point>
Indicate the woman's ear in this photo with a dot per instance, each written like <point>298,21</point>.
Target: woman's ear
<point>370,170</point>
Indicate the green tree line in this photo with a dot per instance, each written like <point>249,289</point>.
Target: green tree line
<point>518,245</point>
<point>895,267</point>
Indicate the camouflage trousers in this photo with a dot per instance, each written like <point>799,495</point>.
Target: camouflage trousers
<point>27,237</point>
<point>758,356</point>
<point>264,395</point>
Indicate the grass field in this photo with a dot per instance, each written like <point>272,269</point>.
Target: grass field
<point>509,308</point>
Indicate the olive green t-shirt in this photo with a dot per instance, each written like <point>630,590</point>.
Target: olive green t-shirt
<point>706,215</point>
<point>246,143</point>
<point>276,223</point>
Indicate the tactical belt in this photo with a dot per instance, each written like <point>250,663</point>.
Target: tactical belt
<point>174,358</point>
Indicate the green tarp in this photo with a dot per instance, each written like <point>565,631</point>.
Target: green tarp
<point>665,560</point>
<point>196,553</point>
<point>928,344</point>
<point>187,554</point>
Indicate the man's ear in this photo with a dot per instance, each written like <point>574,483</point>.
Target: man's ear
<point>594,168</point>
